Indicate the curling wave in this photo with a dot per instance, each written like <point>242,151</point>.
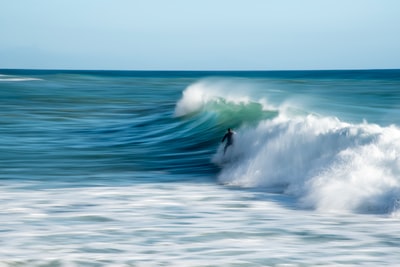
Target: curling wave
<point>227,101</point>
<point>325,163</point>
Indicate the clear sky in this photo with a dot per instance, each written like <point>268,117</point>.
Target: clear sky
<point>200,34</point>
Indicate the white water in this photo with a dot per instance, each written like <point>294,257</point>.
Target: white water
<point>326,164</point>
<point>185,224</point>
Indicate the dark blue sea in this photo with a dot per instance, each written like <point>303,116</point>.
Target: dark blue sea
<point>126,168</point>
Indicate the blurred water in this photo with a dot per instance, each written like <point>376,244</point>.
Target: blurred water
<point>187,225</point>
<point>97,169</point>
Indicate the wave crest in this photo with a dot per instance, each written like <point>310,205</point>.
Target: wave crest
<point>210,91</point>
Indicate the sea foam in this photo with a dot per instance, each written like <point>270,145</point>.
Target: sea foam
<point>327,164</point>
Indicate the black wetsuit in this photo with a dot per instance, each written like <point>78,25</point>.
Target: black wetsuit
<point>229,140</point>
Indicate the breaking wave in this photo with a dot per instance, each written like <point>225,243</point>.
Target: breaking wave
<point>325,163</point>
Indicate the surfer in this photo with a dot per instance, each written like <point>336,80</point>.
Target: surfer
<point>229,139</point>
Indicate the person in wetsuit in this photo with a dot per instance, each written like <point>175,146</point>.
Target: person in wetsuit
<point>229,139</point>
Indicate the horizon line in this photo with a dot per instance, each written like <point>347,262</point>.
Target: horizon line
<point>202,70</point>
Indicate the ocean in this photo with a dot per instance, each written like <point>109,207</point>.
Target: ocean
<point>126,168</point>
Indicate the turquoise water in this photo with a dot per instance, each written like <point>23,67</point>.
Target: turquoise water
<point>110,168</point>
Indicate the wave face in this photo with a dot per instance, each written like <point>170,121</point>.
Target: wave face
<point>325,163</point>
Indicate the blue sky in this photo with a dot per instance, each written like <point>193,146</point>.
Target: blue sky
<point>200,35</point>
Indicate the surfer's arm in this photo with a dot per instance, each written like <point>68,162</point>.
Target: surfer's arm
<point>223,139</point>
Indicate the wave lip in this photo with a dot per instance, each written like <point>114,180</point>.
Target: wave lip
<point>326,164</point>
<point>211,91</point>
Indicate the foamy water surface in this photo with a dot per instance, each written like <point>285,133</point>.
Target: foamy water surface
<point>190,225</point>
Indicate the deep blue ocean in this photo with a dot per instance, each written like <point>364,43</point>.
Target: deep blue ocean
<point>126,168</point>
